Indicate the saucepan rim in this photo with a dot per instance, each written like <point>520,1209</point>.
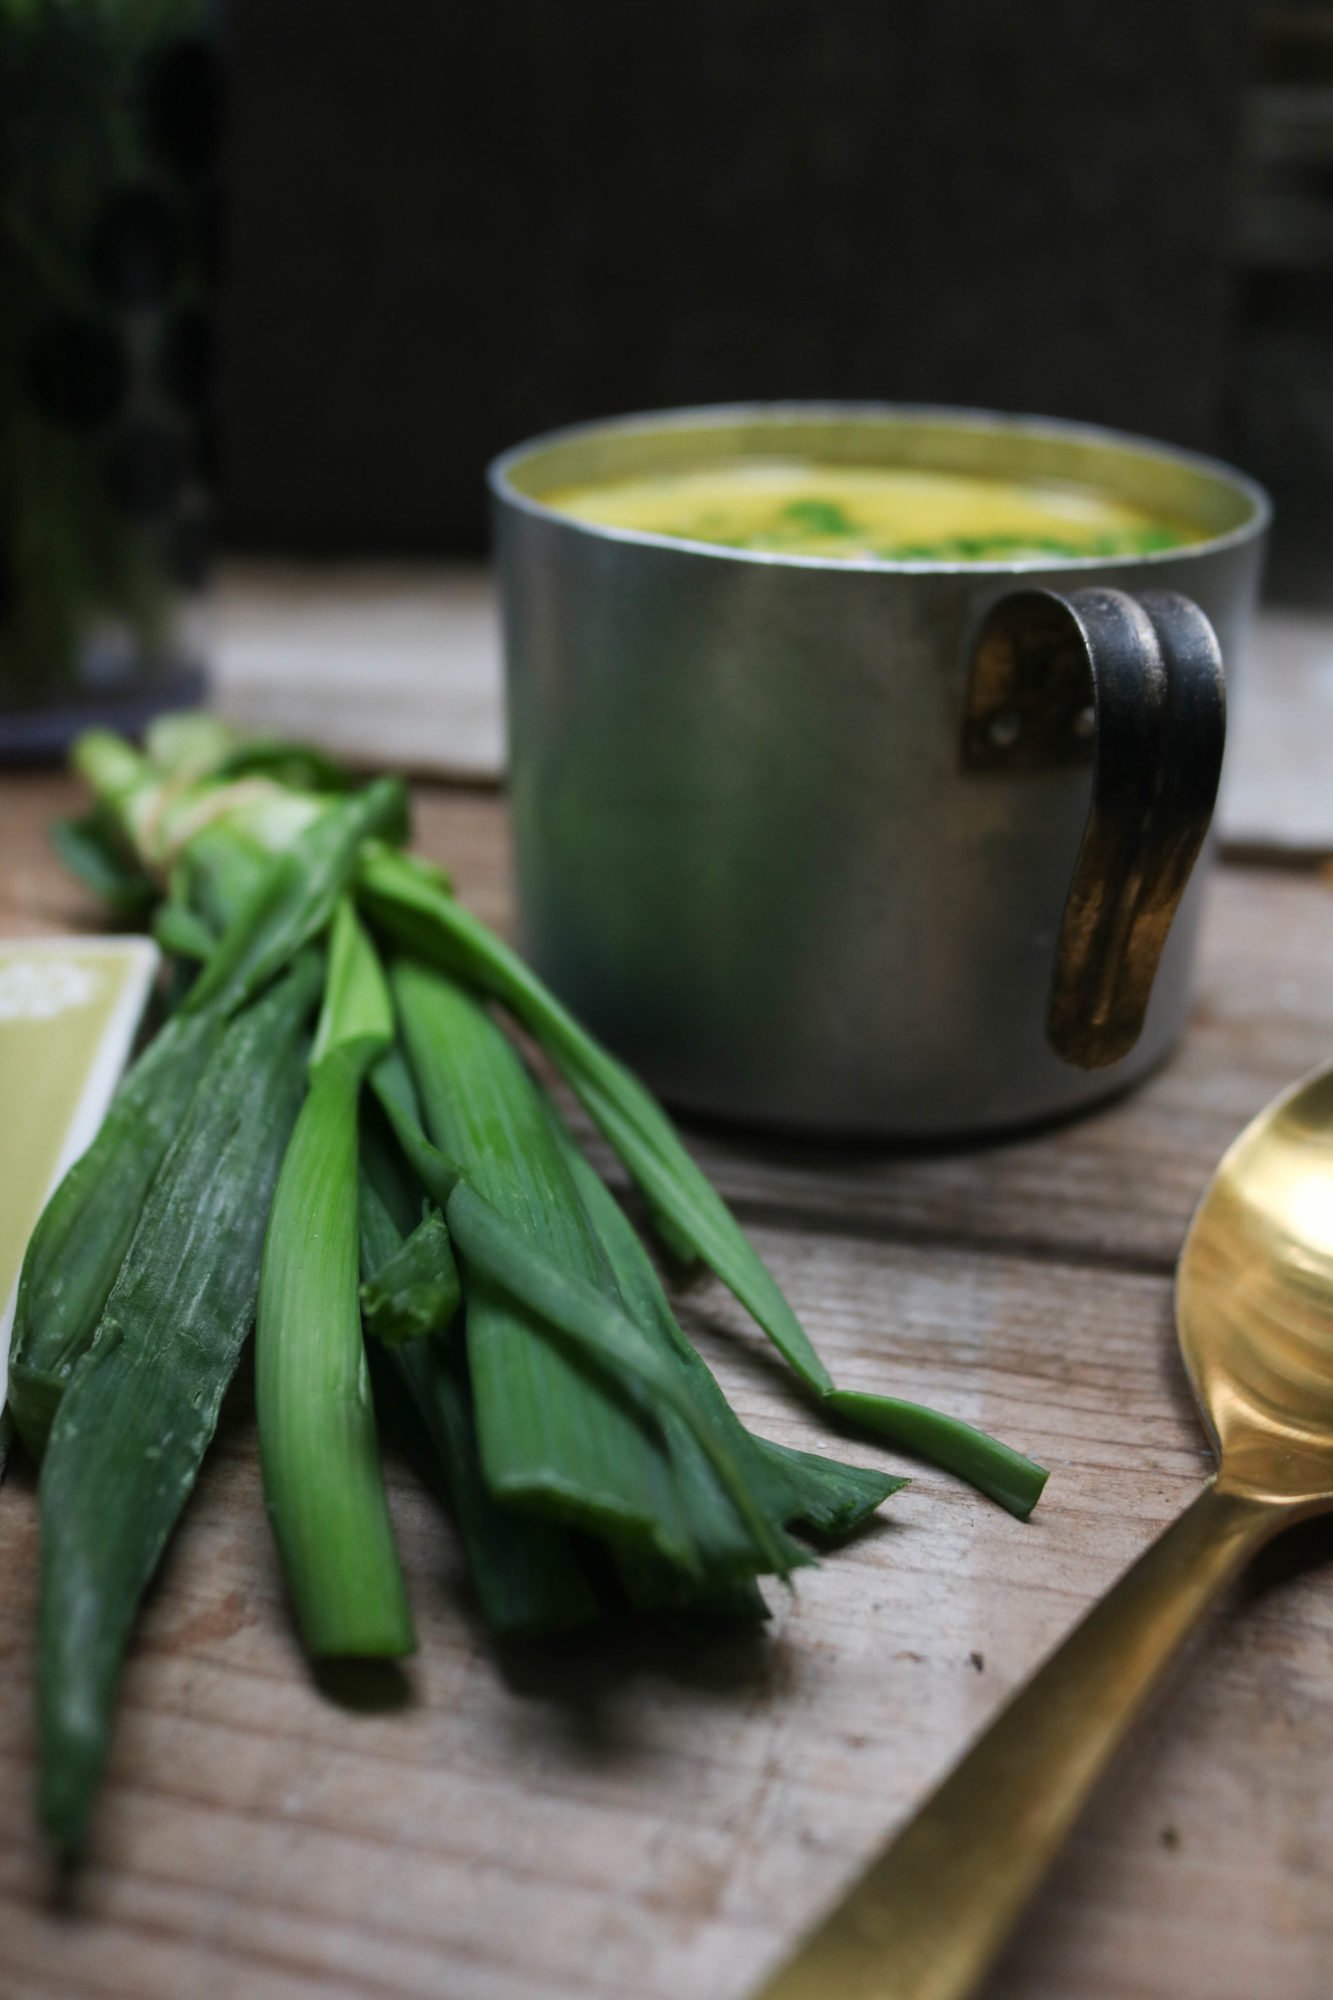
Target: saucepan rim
<point>723,415</point>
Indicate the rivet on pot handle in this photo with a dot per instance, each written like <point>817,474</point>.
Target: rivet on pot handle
<point>1155,729</point>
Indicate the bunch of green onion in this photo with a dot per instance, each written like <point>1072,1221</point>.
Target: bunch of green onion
<point>334,1139</point>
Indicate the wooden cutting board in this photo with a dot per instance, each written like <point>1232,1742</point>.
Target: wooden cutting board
<point>637,1816</point>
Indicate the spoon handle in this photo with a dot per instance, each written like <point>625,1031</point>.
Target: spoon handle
<point>932,1912</point>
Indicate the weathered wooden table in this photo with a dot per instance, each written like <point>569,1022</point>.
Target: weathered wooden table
<point>641,1818</point>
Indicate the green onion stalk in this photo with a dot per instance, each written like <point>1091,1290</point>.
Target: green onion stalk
<point>318,1442</point>
<point>137,1410</point>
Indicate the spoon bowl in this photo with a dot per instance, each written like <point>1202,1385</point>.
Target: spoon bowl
<point>1254,1303</point>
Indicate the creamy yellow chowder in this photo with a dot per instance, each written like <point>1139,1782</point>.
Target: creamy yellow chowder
<point>855,512</point>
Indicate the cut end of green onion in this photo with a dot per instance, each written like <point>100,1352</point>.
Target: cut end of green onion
<point>415,1291</point>
<point>66,1789</point>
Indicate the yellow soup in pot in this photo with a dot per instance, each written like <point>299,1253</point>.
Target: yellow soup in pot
<point>855,512</point>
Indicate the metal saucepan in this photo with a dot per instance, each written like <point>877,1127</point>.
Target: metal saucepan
<point>894,848</point>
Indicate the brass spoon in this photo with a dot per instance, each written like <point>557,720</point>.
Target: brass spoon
<point>1254,1313</point>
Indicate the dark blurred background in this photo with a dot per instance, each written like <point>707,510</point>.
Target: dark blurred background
<point>451,227</point>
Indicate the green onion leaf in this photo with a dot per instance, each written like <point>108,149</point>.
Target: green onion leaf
<point>76,1251</point>
<point>993,1468</point>
<point>538,1420</point>
<point>317,1438</point>
<point>183,934</point>
<point>565,1300</point>
<point>141,1406</point>
<point>798,1488</point>
<point>556,1436</point>
<point>526,1572</point>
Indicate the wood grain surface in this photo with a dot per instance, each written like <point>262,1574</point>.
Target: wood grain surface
<point>638,1816</point>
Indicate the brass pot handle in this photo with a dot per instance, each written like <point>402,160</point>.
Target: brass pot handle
<point>1155,727</point>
